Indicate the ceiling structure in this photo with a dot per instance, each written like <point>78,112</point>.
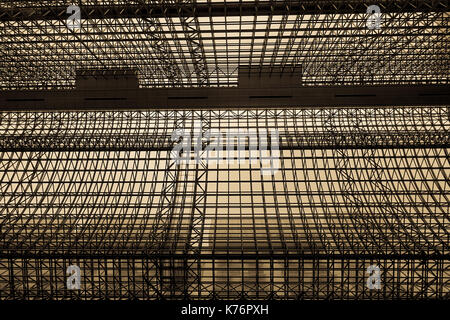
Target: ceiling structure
<point>361,123</point>
<point>202,43</point>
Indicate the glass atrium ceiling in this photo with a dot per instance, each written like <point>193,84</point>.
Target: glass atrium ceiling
<point>202,43</point>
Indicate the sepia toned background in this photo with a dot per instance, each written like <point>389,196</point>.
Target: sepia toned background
<point>93,184</point>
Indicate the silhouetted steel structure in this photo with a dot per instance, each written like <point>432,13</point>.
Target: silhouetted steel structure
<point>183,43</point>
<point>93,183</point>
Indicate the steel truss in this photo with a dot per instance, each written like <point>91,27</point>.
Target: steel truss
<point>195,44</point>
<point>356,187</point>
<point>88,176</point>
<point>223,278</point>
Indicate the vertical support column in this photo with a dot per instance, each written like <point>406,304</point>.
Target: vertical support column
<point>163,222</point>
<point>162,49</point>
<point>191,27</point>
<point>197,216</point>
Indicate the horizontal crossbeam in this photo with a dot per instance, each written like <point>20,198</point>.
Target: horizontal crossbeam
<point>284,256</point>
<point>234,8</point>
<point>176,98</point>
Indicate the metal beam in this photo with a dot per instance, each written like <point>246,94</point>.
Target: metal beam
<point>235,8</point>
<point>201,98</point>
<point>218,256</point>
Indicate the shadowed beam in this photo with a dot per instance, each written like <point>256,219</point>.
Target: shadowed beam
<point>235,97</point>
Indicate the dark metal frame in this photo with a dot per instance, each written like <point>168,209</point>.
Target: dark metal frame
<point>87,178</point>
<point>220,98</point>
<point>356,186</point>
<point>202,44</point>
